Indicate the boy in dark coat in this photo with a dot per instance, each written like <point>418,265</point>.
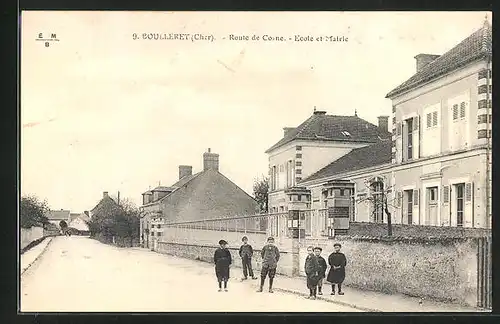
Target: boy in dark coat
<point>312,270</point>
<point>336,275</point>
<point>246,253</point>
<point>322,266</point>
<point>222,260</point>
<point>270,257</point>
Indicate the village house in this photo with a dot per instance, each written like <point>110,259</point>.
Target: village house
<point>207,194</point>
<point>56,216</point>
<point>437,168</point>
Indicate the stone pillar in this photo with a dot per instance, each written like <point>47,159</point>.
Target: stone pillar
<point>295,225</point>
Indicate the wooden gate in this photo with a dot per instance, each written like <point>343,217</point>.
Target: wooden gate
<point>484,283</point>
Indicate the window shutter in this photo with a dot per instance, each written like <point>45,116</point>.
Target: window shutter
<point>462,109</point>
<point>415,197</point>
<point>400,198</point>
<point>398,129</point>
<point>455,111</point>
<point>468,192</point>
<point>434,118</point>
<point>429,120</point>
<point>446,194</point>
<point>416,137</point>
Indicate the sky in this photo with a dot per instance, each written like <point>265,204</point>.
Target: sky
<point>101,111</point>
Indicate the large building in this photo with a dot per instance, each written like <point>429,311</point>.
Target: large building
<point>313,145</point>
<point>437,168</point>
<point>207,194</point>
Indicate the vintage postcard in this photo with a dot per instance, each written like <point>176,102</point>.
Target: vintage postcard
<point>255,161</point>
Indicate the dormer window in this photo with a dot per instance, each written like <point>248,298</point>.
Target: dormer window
<point>346,133</point>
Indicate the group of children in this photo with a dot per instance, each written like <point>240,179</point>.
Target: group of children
<point>315,266</point>
<point>315,269</point>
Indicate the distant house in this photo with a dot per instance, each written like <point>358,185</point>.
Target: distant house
<point>79,222</point>
<point>103,207</point>
<point>56,216</point>
<point>207,194</point>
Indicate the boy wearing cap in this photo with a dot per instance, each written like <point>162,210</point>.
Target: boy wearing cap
<point>246,253</point>
<point>222,260</point>
<point>322,266</point>
<point>270,257</point>
<point>311,268</point>
<point>338,262</point>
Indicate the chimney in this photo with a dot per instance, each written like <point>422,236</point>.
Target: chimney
<point>287,130</point>
<point>185,170</point>
<point>383,123</point>
<point>319,112</point>
<point>210,161</point>
<point>105,194</point>
<point>424,59</point>
<point>118,198</point>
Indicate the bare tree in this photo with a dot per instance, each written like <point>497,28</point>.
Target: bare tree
<point>380,198</point>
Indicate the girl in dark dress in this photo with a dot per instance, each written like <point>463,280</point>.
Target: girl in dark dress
<point>336,275</point>
<point>222,260</point>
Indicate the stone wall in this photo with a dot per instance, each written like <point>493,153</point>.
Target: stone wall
<point>205,253</point>
<point>29,235</point>
<point>440,269</point>
<point>377,229</point>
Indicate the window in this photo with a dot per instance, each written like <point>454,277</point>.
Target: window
<point>409,138</point>
<point>299,198</point>
<point>459,189</point>
<point>346,133</point>
<point>409,206</point>
<point>378,203</point>
<point>298,155</point>
<point>159,234</point>
<point>298,148</point>
<point>433,194</point>
<point>341,192</point>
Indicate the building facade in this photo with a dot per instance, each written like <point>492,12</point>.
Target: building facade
<point>435,171</point>
<point>204,195</point>
<point>313,145</point>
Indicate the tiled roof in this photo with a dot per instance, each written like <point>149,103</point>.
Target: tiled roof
<point>185,180</point>
<point>104,204</point>
<point>163,188</point>
<point>58,214</point>
<point>474,47</point>
<point>207,195</point>
<point>330,128</point>
<point>360,158</point>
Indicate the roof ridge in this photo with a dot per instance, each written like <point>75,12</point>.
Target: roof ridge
<point>462,53</point>
<point>193,176</point>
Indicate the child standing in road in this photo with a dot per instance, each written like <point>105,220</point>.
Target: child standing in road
<point>270,257</point>
<point>222,260</point>
<point>246,253</point>
<point>338,262</point>
<point>312,272</point>
<point>322,266</point>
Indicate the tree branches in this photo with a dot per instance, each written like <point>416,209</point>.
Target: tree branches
<point>33,212</point>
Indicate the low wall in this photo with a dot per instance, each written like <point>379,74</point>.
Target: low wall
<point>440,269</point>
<point>29,235</point>
<point>206,253</point>
<point>376,229</point>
